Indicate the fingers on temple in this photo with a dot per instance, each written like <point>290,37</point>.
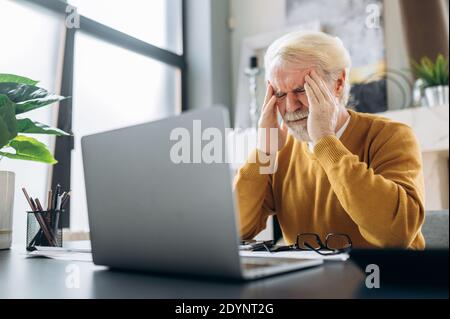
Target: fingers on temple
<point>270,105</point>
<point>269,94</point>
<point>314,85</point>
<point>311,95</point>
<point>325,90</point>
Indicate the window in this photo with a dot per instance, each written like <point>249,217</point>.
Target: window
<point>156,21</point>
<point>121,90</point>
<point>124,65</point>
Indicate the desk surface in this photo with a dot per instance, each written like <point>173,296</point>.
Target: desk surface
<point>46,278</point>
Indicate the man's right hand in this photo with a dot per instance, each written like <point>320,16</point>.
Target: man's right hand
<point>267,121</point>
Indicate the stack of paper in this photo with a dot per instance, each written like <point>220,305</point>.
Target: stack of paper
<point>293,254</point>
<point>61,254</point>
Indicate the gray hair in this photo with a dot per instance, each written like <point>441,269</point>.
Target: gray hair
<point>315,49</point>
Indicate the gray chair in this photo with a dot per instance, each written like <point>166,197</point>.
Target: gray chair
<point>435,229</point>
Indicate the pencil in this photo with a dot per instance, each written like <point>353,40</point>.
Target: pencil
<point>49,200</point>
<point>39,206</point>
<point>39,218</point>
<point>29,200</point>
<point>53,235</point>
<point>33,208</point>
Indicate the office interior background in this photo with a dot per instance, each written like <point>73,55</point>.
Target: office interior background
<point>129,62</point>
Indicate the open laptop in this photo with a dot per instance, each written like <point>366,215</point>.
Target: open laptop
<point>148,213</point>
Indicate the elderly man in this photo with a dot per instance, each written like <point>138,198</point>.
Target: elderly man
<point>338,171</point>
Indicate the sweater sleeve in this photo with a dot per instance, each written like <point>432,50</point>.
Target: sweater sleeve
<point>385,198</point>
<point>253,190</point>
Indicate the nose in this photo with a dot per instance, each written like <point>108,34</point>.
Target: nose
<point>292,103</point>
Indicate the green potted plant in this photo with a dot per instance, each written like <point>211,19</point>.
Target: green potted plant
<point>433,79</point>
<point>19,95</point>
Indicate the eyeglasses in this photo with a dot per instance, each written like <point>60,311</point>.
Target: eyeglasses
<point>334,244</point>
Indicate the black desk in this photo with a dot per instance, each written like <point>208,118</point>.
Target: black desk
<point>46,278</point>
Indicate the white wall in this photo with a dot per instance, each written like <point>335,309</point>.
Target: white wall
<point>207,53</point>
<point>396,52</point>
<point>248,18</point>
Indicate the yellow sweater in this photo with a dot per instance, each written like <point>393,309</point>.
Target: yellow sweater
<point>367,184</point>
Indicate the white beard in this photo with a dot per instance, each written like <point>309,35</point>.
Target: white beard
<point>299,132</point>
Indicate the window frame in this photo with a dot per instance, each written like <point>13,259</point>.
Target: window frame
<point>64,145</point>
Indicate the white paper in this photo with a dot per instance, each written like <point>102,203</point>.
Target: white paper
<point>63,249</point>
<point>293,254</point>
<point>61,254</point>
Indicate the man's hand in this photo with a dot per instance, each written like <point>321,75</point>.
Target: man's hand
<point>323,108</point>
<point>267,121</point>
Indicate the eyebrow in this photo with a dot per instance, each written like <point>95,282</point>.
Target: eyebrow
<point>296,89</point>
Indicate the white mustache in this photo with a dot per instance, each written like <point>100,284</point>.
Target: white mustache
<point>295,116</point>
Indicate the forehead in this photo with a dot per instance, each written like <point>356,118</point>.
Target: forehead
<point>284,78</point>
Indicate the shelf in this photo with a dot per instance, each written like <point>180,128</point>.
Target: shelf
<point>430,124</point>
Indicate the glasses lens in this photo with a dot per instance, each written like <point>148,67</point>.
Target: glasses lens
<point>308,241</point>
<point>338,242</point>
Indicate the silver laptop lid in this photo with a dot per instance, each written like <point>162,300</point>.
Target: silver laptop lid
<point>147,212</point>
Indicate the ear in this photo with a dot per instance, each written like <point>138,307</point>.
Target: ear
<point>340,84</point>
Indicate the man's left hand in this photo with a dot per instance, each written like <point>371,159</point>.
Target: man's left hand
<point>323,108</point>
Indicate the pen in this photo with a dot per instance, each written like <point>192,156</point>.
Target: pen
<point>65,199</point>
<point>57,212</point>
<point>59,201</point>
<point>55,196</point>
<point>55,206</point>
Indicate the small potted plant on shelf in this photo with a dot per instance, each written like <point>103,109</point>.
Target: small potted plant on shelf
<point>19,95</point>
<point>433,79</point>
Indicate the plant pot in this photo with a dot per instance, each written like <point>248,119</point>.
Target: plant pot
<point>6,208</point>
<point>436,95</point>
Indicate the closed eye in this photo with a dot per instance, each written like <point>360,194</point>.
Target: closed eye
<point>280,95</point>
<point>299,91</point>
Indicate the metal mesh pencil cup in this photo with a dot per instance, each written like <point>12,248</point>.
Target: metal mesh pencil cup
<point>44,229</point>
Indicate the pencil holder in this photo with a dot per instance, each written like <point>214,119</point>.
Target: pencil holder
<point>44,229</point>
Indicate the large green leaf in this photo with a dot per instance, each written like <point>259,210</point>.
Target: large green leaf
<point>30,149</point>
<point>30,127</point>
<point>16,79</point>
<point>28,97</point>
<point>8,125</point>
